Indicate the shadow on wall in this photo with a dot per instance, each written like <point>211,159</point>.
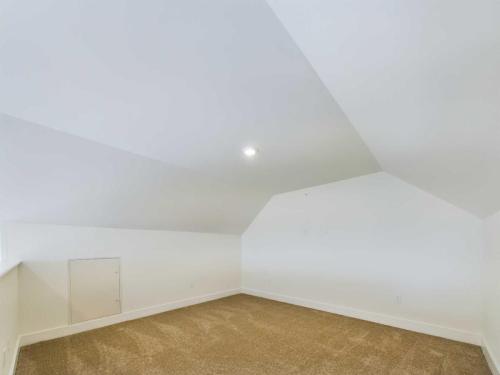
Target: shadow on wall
<point>43,295</point>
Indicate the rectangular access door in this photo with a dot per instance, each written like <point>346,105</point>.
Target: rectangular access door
<point>94,288</point>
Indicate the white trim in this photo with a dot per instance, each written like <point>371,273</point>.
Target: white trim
<point>13,364</point>
<point>411,325</point>
<point>52,333</point>
<point>494,365</point>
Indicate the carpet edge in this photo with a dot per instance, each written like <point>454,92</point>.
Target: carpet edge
<point>410,325</point>
<point>71,329</point>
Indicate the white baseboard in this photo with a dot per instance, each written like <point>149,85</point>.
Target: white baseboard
<point>494,365</point>
<point>15,351</point>
<point>431,329</point>
<point>410,325</point>
<point>61,331</point>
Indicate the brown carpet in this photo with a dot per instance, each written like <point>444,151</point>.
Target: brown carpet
<point>243,335</point>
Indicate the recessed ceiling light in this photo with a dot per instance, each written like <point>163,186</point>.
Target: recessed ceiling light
<point>249,152</point>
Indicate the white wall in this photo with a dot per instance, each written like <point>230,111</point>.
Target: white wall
<point>491,272</point>
<point>369,243</point>
<point>156,266</point>
<point>8,319</point>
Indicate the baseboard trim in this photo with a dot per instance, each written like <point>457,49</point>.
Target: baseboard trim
<point>410,325</point>
<point>61,331</point>
<point>494,365</point>
<point>13,365</point>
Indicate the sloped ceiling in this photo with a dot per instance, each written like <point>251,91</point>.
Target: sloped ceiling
<point>133,114</point>
<point>52,177</point>
<point>175,89</point>
<point>420,81</point>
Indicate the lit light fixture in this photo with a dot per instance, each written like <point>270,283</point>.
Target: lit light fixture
<point>249,152</point>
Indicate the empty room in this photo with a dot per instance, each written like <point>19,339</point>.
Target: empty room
<point>250,187</point>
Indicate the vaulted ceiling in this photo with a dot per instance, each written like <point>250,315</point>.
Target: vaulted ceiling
<point>185,83</point>
<point>419,80</point>
<point>51,177</point>
<point>166,93</point>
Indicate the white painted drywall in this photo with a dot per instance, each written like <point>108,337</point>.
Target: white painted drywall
<point>156,266</point>
<point>491,278</point>
<point>372,243</point>
<point>186,82</point>
<point>419,80</point>
<point>49,177</point>
<point>8,319</point>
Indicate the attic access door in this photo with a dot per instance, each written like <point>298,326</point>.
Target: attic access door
<point>94,288</point>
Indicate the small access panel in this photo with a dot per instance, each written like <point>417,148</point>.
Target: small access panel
<point>94,288</point>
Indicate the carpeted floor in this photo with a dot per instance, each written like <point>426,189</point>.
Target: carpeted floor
<point>242,335</point>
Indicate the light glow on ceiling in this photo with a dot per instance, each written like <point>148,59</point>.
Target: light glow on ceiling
<point>250,152</point>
